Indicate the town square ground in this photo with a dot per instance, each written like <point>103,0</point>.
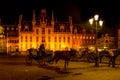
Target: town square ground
<point>15,69</point>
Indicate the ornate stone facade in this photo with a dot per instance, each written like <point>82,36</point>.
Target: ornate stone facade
<point>43,29</point>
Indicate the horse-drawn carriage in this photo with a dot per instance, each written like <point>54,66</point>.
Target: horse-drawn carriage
<point>40,57</point>
<point>111,54</point>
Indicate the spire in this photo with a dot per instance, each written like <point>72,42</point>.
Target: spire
<point>52,20</point>
<point>70,20</point>
<point>20,19</point>
<point>20,22</point>
<point>33,14</point>
<point>52,15</point>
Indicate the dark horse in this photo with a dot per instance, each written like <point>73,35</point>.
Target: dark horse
<point>110,54</point>
<point>89,55</point>
<point>64,55</point>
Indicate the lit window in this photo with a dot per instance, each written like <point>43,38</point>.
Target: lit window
<point>37,45</point>
<point>37,39</point>
<point>21,38</point>
<point>49,46</point>
<point>62,28</point>
<point>59,46</point>
<point>83,37</point>
<point>49,32</point>
<point>90,37</point>
<point>43,30</point>
<point>7,28</point>
<point>64,39</point>
<point>30,45</point>
<point>86,37</point>
<point>80,37</point>
<point>48,39</point>
<point>12,28</point>
<point>37,31</point>
<point>55,46</point>
<point>17,41</point>
<point>26,46</point>
<point>73,36</point>
<point>26,27</point>
<point>10,41</point>
<point>55,39</point>
<point>26,38</point>
<point>30,38</point>
<point>59,39</point>
<point>43,39</point>
<point>68,39</point>
<point>75,30</point>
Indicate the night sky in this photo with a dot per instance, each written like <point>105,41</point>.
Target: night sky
<point>80,10</point>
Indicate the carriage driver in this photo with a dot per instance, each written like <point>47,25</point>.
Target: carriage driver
<point>42,50</point>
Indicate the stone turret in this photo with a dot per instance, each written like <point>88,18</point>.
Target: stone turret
<point>34,18</point>
<point>43,16</point>
<point>20,19</point>
<point>70,20</point>
<point>20,22</point>
<point>52,21</point>
<point>71,26</point>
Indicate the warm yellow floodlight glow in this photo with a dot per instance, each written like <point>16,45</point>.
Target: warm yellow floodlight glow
<point>91,21</point>
<point>63,46</point>
<point>100,22</point>
<point>96,17</point>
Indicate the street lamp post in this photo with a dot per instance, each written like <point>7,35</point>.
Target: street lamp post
<point>96,29</point>
<point>96,59</point>
<point>7,42</point>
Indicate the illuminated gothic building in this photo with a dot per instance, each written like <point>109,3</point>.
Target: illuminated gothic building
<point>107,41</point>
<point>119,36</point>
<point>2,40</point>
<point>43,29</point>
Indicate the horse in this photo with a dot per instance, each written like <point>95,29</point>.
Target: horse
<point>63,55</point>
<point>110,54</point>
<point>104,53</point>
<point>89,55</point>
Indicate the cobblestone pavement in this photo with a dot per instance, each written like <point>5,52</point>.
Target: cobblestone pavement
<point>15,69</point>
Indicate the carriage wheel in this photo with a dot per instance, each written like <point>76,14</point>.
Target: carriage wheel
<point>28,60</point>
<point>40,61</point>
